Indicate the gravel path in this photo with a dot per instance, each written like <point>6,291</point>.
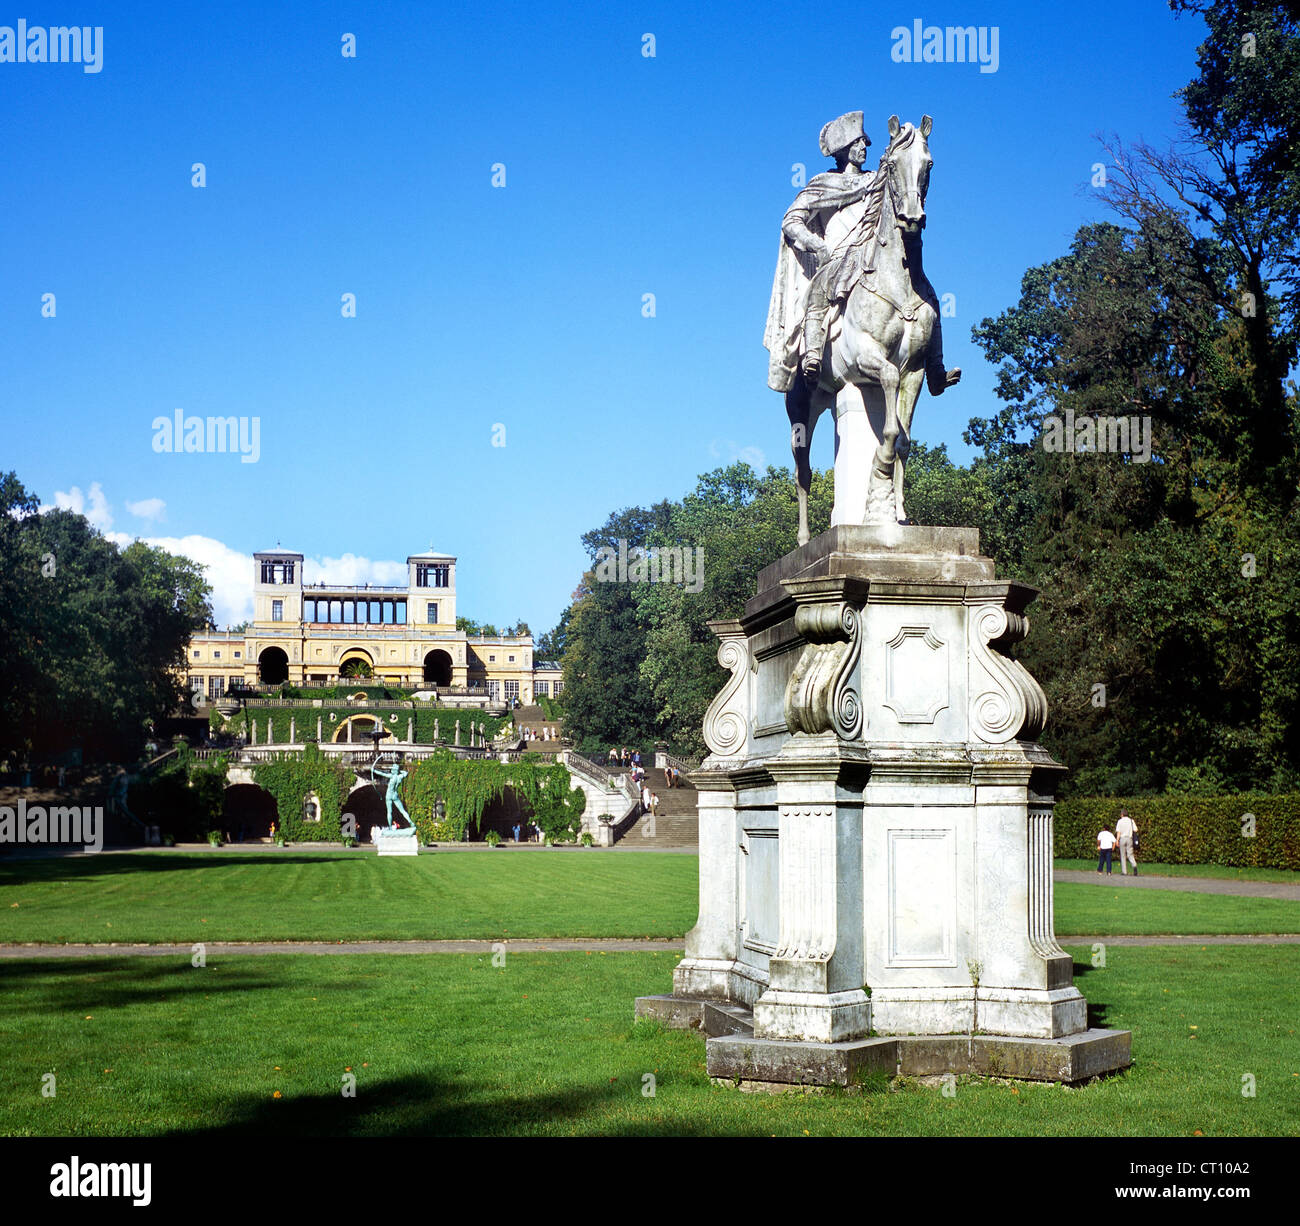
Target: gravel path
<point>214,948</point>
<point>1190,885</point>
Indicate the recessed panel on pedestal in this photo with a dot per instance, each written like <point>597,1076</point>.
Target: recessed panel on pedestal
<point>762,891</point>
<point>922,897</point>
<point>916,675</point>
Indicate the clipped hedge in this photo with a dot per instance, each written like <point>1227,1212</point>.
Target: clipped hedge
<point>1189,829</point>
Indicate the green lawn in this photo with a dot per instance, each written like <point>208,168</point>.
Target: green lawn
<point>545,1045</point>
<point>1095,910</point>
<point>156,897</point>
<point>1278,876</point>
<point>346,896</point>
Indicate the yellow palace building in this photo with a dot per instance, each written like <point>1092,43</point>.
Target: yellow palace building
<point>328,633</point>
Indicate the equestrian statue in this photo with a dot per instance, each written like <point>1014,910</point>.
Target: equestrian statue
<point>853,322</point>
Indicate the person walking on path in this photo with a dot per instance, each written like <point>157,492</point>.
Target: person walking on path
<point>1105,844</point>
<point>1126,830</point>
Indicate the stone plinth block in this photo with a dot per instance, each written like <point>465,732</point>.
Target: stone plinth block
<point>397,844</point>
<point>876,817</point>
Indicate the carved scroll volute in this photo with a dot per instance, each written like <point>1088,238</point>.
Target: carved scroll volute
<point>726,720</point>
<point>1006,702</point>
<point>821,695</point>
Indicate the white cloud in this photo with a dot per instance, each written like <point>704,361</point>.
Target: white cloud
<point>147,508</point>
<point>228,571</point>
<point>728,451</point>
<point>94,506</point>
<point>353,570</point>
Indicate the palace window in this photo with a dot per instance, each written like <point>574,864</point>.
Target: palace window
<point>492,659</point>
<point>559,687</point>
<point>512,690</point>
<point>543,688</point>
<point>216,687</point>
<point>277,610</point>
<point>494,690</point>
<point>196,655</point>
<point>237,655</point>
<point>432,617</point>
<point>510,659</point>
<point>429,574</point>
<point>216,655</point>
<point>277,572</point>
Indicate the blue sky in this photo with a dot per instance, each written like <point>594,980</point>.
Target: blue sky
<point>480,307</point>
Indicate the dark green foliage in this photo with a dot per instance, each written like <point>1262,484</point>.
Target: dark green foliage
<point>467,786</point>
<point>92,637</point>
<point>1189,829</point>
<point>182,797</point>
<point>640,661</point>
<point>291,779</point>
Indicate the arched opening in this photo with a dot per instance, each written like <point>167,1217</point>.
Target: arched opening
<point>365,804</point>
<point>362,726</point>
<point>356,663</point>
<point>437,668</point>
<point>502,813</point>
<point>247,812</point>
<point>273,666</point>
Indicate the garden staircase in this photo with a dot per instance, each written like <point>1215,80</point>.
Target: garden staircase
<point>677,823</point>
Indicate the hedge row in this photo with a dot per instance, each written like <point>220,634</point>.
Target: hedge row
<point>1250,830</point>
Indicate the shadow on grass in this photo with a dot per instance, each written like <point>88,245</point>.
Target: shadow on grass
<point>433,1105</point>
<point>110,864</point>
<point>115,983</point>
<point>1096,1009</point>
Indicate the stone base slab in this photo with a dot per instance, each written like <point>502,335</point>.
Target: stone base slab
<point>736,1057</point>
<point>740,1058</point>
<point>713,1017</point>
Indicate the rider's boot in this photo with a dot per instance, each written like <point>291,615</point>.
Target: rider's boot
<point>814,340</point>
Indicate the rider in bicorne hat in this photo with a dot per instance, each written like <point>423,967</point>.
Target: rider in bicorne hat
<point>815,227</point>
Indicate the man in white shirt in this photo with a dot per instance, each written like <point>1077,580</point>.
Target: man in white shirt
<point>1126,830</point>
<point>1105,843</point>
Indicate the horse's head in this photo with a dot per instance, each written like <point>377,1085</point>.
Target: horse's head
<point>907,165</point>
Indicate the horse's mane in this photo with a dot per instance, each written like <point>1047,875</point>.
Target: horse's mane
<point>869,222</point>
<point>859,251</point>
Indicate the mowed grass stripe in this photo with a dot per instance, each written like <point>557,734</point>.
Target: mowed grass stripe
<point>544,1045</point>
<point>176,897</point>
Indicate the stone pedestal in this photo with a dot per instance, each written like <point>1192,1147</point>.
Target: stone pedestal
<point>876,815</point>
<point>403,842</point>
